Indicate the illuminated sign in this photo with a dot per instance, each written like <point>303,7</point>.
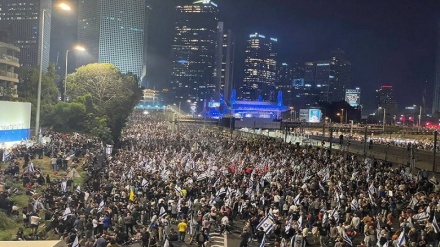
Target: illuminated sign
<point>274,39</point>
<point>304,115</point>
<point>15,120</point>
<point>255,35</point>
<point>213,104</point>
<point>314,116</point>
<point>353,97</point>
<point>298,82</point>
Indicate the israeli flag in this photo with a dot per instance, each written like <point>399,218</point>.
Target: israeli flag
<point>76,242</point>
<point>300,222</point>
<point>435,225</point>
<point>162,212</point>
<point>64,186</point>
<point>346,238</point>
<point>401,239</point>
<point>202,177</point>
<point>354,205</point>
<point>66,213</point>
<point>101,206</point>
<point>263,241</point>
<point>78,189</point>
<point>296,200</point>
<point>372,189</point>
<point>178,190</point>
<point>144,183</point>
<point>6,155</point>
<point>289,223</point>
<point>31,167</point>
<point>217,182</point>
<point>320,186</point>
<point>267,224</point>
<point>423,216</point>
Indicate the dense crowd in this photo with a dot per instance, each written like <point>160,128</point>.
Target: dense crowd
<point>180,183</point>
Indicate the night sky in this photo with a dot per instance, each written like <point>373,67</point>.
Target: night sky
<point>387,41</point>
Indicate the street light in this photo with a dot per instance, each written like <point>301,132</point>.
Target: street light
<point>64,7</point>
<point>78,48</point>
<point>342,116</point>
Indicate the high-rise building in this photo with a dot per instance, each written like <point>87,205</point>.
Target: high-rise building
<point>224,61</point>
<point>194,52</point>
<point>260,73</point>
<point>385,99</point>
<point>329,78</point>
<point>113,32</point>
<point>23,20</point>
<point>436,100</point>
<point>8,63</point>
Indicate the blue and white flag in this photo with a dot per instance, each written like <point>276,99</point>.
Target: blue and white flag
<point>300,222</point>
<point>6,155</point>
<point>217,182</point>
<point>288,225</point>
<point>144,183</point>
<point>162,212</point>
<point>401,239</point>
<point>64,186</point>
<point>354,205</point>
<point>75,242</point>
<point>420,217</point>
<point>346,238</point>
<point>78,189</point>
<point>66,213</point>
<point>267,224</point>
<point>296,200</point>
<point>178,190</point>
<point>101,206</point>
<point>263,241</point>
<point>320,186</point>
<point>31,167</point>
<point>372,189</point>
<point>435,225</point>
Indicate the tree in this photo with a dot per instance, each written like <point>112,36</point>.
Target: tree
<point>109,95</point>
<point>68,117</point>
<point>28,89</point>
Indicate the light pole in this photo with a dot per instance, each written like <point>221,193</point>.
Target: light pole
<point>420,117</point>
<point>78,48</point>
<point>64,7</point>
<point>342,116</point>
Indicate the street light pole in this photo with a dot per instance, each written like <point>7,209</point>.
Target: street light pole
<point>37,117</point>
<point>384,114</point>
<point>342,116</point>
<point>65,76</point>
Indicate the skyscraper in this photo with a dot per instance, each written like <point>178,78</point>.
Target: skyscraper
<point>113,32</point>
<point>385,99</point>
<point>224,61</point>
<point>194,52</point>
<point>22,19</point>
<point>260,68</point>
<point>8,64</point>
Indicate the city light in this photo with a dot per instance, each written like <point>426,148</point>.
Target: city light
<point>65,6</point>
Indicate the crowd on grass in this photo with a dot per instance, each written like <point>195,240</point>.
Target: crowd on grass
<point>181,183</point>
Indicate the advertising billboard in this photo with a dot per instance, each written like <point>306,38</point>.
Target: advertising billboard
<point>314,116</point>
<point>15,121</point>
<point>303,115</point>
<point>353,97</point>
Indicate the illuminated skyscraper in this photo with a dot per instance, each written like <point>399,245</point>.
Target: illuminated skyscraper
<point>22,19</point>
<point>113,32</point>
<point>385,99</point>
<point>260,68</point>
<point>194,52</point>
<point>224,60</point>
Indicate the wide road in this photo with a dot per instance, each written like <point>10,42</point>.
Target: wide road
<point>423,159</point>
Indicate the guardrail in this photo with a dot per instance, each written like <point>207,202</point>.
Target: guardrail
<point>8,74</point>
<point>8,57</point>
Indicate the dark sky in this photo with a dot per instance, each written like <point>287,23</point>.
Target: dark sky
<point>387,41</point>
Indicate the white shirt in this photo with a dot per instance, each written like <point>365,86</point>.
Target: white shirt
<point>225,220</point>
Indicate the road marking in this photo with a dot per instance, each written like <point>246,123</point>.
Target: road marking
<point>217,240</point>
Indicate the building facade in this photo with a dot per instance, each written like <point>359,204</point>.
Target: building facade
<point>260,68</point>
<point>9,62</point>
<point>113,32</point>
<point>224,62</point>
<point>386,100</point>
<point>194,52</point>
<point>23,20</point>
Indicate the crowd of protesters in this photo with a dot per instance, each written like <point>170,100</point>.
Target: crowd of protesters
<point>183,182</point>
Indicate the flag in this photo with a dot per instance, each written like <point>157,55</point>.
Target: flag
<point>263,241</point>
<point>300,221</point>
<point>75,242</point>
<point>401,239</point>
<point>296,200</point>
<point>372,189</point>
<point>178,190</point>
<point>6,155</point>
<point>320,186</point>
<point>354,205</point>
<point>413,203</point>
<point>288,225</point>
<point>167,243</point>
<point>66,213</point>
<point>144,183</point>
<point>131,195</point>
<point>423,216</point>
<point>346,238</point>
<point>78,189</point>
<point>101,206</point>
<point>217,182</point>
<point>162,212</point>
<point>64,186</point>
<point>435,225</point>
<point>31,167</point>
<point>267,224</point>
